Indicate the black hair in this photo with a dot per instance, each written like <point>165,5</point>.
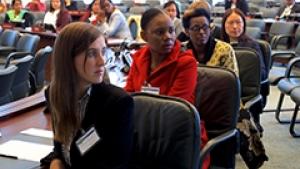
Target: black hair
<point>149,15</point>
<point>14,1</point>
<point>195,13</point>
<point>169,3</point>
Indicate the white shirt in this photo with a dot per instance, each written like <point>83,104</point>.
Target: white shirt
<point>51,17</point>
<point>287,11</point>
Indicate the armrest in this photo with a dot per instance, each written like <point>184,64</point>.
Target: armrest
<point>252,101</point>
<point>290,66</point>
<point>276,39</point>
<point>15,55</point>
<point>216,141</point>
<point>5,50</point>
<point>275,53</point>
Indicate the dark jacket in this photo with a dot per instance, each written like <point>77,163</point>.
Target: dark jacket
<point>241,4</point>
<point>295,9</point>
<point>110,111</point>
<point>249,43</point>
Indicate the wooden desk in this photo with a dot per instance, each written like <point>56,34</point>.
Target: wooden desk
<point>11,126</point>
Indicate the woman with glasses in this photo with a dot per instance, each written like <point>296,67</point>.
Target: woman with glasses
<point>206,49</point>
<point>92,121</point>
<point>161,67</point>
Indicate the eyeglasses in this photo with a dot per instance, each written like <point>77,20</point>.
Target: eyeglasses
<point>197,28</point>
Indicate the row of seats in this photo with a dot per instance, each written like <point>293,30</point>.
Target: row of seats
<point>18,50</point>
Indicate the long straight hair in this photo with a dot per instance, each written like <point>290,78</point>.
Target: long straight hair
<point>74,39</point>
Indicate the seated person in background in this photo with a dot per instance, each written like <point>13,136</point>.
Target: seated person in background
<point>115,24</point>
<point>161,66</point>
<point>286,10</point>
<point>240,4</point>
<point>90,105</point>
<point>234,31</point>
<point>3,5</point>
<point>94,15</point>
<point>71,5</point>
<point>58,16</point>
<point>36,6</point>
<point>212,52</point>
<point>172,10</point>
<point>17,15</point>
<point>215,31</point>
<point>206,49</point>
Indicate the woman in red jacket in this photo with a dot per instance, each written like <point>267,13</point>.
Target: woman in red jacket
<point>161,67</point>
<point>161,64</point>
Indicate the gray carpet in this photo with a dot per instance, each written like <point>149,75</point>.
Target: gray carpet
<point>283,150</point>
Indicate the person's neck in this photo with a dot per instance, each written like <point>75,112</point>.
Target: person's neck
<point>83,89</point>
<point>156,59</point>
<point>199,50</point>
<point>17,12</point>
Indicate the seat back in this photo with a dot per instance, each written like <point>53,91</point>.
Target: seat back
<point>249,72</point>
<point>38,67</point>
<point>20,86</point>
<point>7,76</point>
<point>9,37</point>
<point>38,17</point>
<point>28,43</point>
<point>217,99</point>
<point>258,23</point>
<point>134,22</point>
<point>253,32</point>
<point>167,133</point>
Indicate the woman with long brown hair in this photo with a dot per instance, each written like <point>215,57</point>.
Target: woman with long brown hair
<point>92,121</point>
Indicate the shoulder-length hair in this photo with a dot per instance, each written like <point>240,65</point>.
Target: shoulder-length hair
<point>224,35</point>
<point>62,5</point>
<point>74,39</point>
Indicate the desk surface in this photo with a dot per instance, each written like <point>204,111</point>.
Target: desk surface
<point>11,126</point>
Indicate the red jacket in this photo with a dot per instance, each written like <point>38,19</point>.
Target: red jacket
<point>175,76</point>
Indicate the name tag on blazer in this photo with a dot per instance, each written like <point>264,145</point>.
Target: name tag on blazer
<point>88,140</point>
<point>152,90</point>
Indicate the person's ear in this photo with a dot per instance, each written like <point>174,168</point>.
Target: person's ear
<point>143,35</point>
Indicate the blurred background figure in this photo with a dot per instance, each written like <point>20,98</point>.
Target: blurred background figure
<point>18,16</point>
<point>240,4</point>
<point>57,16</point>
<point>36,5</point>
<point>3,5</point>
<point>289,7</point>
<point>115,24</point>
<point>171,8</point>
<point>71,5</point>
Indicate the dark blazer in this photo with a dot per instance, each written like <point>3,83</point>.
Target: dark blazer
<point>241,4</point>
<point>295,9</point>
<point>110,111</point>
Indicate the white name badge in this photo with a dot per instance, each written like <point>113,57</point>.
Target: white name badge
<point>152,90</point>
<point>88,140</point>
